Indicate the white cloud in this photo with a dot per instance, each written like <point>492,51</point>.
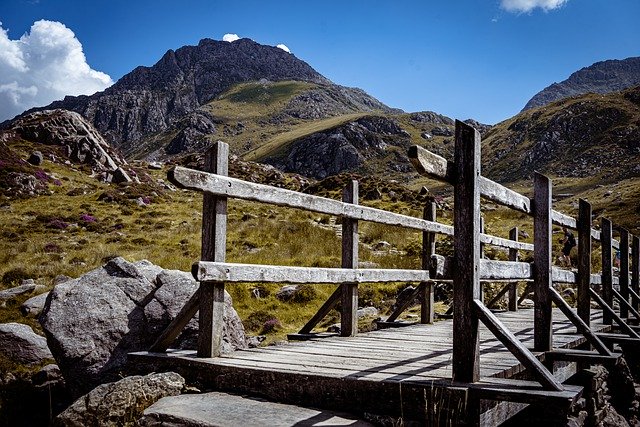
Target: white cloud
<point>230,37</point>
<point>44,65</point>
<point>523,6</point>
<point>283,47</point>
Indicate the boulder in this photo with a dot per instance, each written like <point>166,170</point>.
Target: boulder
<point>367,312</point>
<point>33,306</point>
<point>92,322</point>
<point>17,291</point>
<point>286,292</point>
<point>122,402</point>
<point>36,158</point>
<point>20,344</point>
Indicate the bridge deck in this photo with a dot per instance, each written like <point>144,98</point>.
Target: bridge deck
<point>379,363</point>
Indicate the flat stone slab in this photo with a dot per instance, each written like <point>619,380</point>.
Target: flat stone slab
<point>227,410</point>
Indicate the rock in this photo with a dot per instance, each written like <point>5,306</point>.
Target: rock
<point>286,292</point>
<point>381,245</point>
<point>403,295</point>
<point>155,166</point>
<point>367,312</point>
<point>17,291</point>
<point>36,158</point>
<point>441,131</point>
<point>20,344</point>
<point>255,341</point>
<point>33,306</point>
<point>527,303</point>
<point>122,402</point>
<point>426,135</point>
<point>23,183</point>
<point>118,176</point>
<point>48,376</point>
<point>92,322</point>
<point>220,409</point>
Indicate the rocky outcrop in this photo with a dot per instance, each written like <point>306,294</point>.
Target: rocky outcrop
<point>346,148</point>
<point>92,322</point>
<point>120,403</point>
<point>20,344</point>
<point>601,77</point>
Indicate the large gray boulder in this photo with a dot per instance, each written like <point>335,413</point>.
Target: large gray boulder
<point>20,344</point>
<point>120,403</point>
<point>92,322</point>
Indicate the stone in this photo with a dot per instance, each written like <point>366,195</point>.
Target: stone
<point>381,245</point>
<point>426,135</point>
<point>36,158</point>
<point>118,176</point>
<point>527,303</point>
<point>47,376</point>
<point>20,290</point>
<point>20,344</point>
<point>155,166</point>
<point>121,402</point>
<point>367,312</point>
<point>33,306</point>
<point>286,292</point>
<point>441,131</point>
<point>92,322</point>
<point>227,410</point>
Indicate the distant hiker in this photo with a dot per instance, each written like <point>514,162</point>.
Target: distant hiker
<point>568,242</point>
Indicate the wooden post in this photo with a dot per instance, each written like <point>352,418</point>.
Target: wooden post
<point>635,270</point>
<point>349,306</point>
<point>543,333</point>
<point>481,255</point>
<point>466,283</point>
<point>428,249</point>
<point>584,261</point>
<point>214,247</point>
<point>513,287</point>
<point>607,268</point>
<point>624,271</point>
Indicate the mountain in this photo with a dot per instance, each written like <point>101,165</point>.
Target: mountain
<point>595,137</point>
<point>157,105</point>
<point>601,77</point>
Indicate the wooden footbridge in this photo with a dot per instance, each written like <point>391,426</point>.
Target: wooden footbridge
<point>480,367</point>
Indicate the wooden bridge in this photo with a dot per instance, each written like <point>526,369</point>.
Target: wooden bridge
<point>480,368</point>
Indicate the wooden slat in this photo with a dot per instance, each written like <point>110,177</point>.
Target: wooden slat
<point>624,272</point>
<point>542,263</point>
<point>427,303</point>
<point>535,367</point>
<point>322,312</point>
<point>497,297</point>
<point>607,269</point>
<point>466,242</point>
<point>443,268</point>
<point>236,188</point>
<point>407,303</point>
<point>513,287</point>
<point>635,271</point>
<point>581,325</point>
<point>607,310</point>
<point>176,326</point>
<point>582,356</point>
<point>584,260</point>
<point>624,302</point>
<point>230,272</point>
<point>558,218</point>
<point>505,243</point>
<point>214,248</point>
<point>349,300</point>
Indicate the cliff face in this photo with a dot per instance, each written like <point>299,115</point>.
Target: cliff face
<point>601,77</point>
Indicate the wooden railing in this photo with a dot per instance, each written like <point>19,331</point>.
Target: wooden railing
<point>465,269</point>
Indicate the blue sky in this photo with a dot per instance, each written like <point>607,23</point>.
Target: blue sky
<point>480,59</point>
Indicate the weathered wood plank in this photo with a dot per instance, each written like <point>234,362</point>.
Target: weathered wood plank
<point>624,272</point>
<point>612,315</point>
<point>214,248</point>
<point>239,189</point>
<point>542,262</point>
<point>427,303</point>
<point>443,268</point>
<point>505,243</point>
<point>513,287</point>
<point>349,300</point>
<point>407,303</point>
<point>607,268</point>
<point>558,218</point>
<point>537,369</point>
<point>584,260</point>
<point>466,242</point>
<point>230,272</point>
<point>582,327</point>
<point>624,302</point>
<point>635,271</point>
<point>497,297</point>
<point>176,326</point>
<point>582,356</point>
<point>322,311</point>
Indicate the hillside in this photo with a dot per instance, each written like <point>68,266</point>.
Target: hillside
<point>601,77</point>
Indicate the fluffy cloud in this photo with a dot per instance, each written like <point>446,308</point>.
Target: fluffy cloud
<point>44,65</point>
<point>521,6</point>
<point>230,37</point>
<point>283,47</point>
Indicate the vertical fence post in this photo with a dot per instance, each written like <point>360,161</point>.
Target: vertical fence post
<point>543,333</point>
<point>349,306</point>
<point>214,247</point>
<point>584,261</point>
<point>607,269</point>
<point>624,271</point>
<point>481,255</point>
<point>428,249</point>
<point>635,270</point>
<point>466,281</point>
<point>513,287</point>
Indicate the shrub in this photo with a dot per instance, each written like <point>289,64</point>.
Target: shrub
<point>15,275</point>
<point>256,320</point>
<point>87,218</point>
<point>52,248</point>
<point>57,224</point>
<point>304,294</point>
<point>271,325</point>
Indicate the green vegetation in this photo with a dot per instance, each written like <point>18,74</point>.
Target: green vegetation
<point>265,94</point>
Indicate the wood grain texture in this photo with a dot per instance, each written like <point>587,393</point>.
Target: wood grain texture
<point>322,311</point>
<point>427,303</point>
<point>542,263</point>
<point>584,260</point>
<point>349,300</point>
<point>611,315</point>
<point>635,270</point>
<point>607,268</point>
<point>624,272</point>
<point>513,287</point>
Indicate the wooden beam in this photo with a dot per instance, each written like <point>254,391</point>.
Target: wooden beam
<point>607,269</point>
<point>466,242</point>
<point>513,287</point>
<point>349,300</point>
<point>543,331</point>
<point>506,337</point>
<point>558,218</point>
<point>511,390</point>
<point>497,297</point>
<point>582,327</point>
<point>322,312</point>
<point>427,303</point>
<point>442,267</point>
<point>239,189</point>
<point>176,326</point>
<point>584,261</point>
<point>624,302</point>
<point>582,356</point>
<point>635,271</point>
<point>230,272</point>
<point>406,303</point>
<point>624,272</point>
<point>606,309</point>
<point>214,248</point>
